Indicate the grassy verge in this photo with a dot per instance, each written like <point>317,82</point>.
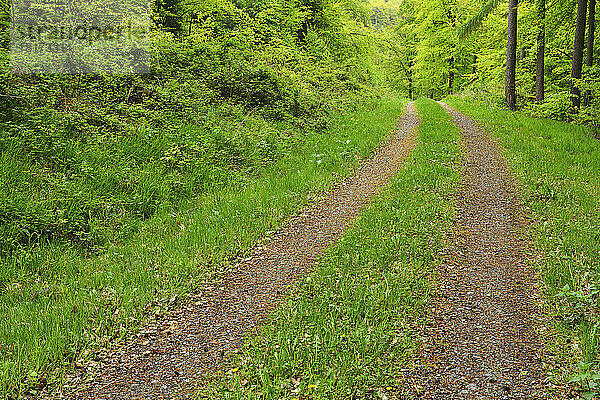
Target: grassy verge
<point>348,329</point>
<point>71,307</point>
<point>558,166</point>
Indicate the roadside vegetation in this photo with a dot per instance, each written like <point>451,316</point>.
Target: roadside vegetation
<point>120,193</point>
<point>558,167</point>
<point>351,326</point>
<point>70,302</point>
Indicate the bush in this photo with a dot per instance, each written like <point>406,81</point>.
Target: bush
<point>555,106</point>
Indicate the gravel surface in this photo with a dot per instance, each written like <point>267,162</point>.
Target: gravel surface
<point>166,361</point>
<point>480,340</point>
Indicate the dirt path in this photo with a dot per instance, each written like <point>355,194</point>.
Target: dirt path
<point>166,362</point>
<point>480,339</point>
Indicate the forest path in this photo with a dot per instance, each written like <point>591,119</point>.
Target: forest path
<point>480,341</point>
<point>167,360</point>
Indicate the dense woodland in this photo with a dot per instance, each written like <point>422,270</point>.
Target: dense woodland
<point>237,85</point>
<point>233,85</point>
<point>445,47</point>
<point>275,63</point>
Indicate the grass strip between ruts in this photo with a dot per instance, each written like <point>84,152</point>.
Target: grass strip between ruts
<point>350,328</point>
<point>558,167</point>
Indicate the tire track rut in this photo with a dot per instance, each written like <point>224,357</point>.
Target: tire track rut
<point>481,341</point>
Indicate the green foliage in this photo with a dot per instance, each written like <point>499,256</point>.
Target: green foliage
<point>588,380</point>
<point>558,105</point>
<point>87,156</point>
<point>555,106</point>
<point>445,46</point>
<point>384,13</point>
<point>590,88</point>
<point>435,62</point>
<point>476,20</point>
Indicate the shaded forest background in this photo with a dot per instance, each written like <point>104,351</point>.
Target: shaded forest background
<point>446,47</point>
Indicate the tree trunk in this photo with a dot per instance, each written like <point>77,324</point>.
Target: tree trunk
<point>511,55</point>
<point>541,50</point>
<point>578,55</point>
<point>587,98</point>
<point>452,18</point>
<point>410,80</point>
<point>451,76</point>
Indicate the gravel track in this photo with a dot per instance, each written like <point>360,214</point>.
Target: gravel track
<point>480,340</point>
<point>166,361</point>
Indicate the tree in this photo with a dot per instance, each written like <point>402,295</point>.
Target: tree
<point>452,18</point>
<point>402,46</point>
<point>511,55</point>
<point>440,57</point>
<point>590,46</point>
<point>541,50</point>
<point>476,20</point>
<point>5,24</point>
<point>168,15</point>
<point>591,33</point>
<point>578,55</point>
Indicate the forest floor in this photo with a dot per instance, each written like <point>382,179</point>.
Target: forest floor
<point>170,355</point>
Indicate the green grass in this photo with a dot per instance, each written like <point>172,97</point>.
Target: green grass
<point>349,328</point>
<point>86,188</point>
<point>57,304</point>
<point>558,166</point>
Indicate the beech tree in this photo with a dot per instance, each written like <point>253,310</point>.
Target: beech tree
<point>441,60</point>
<point>578,55</point>
<point>511,56</point>
<point>541,50</point>
<point>590,46</point>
